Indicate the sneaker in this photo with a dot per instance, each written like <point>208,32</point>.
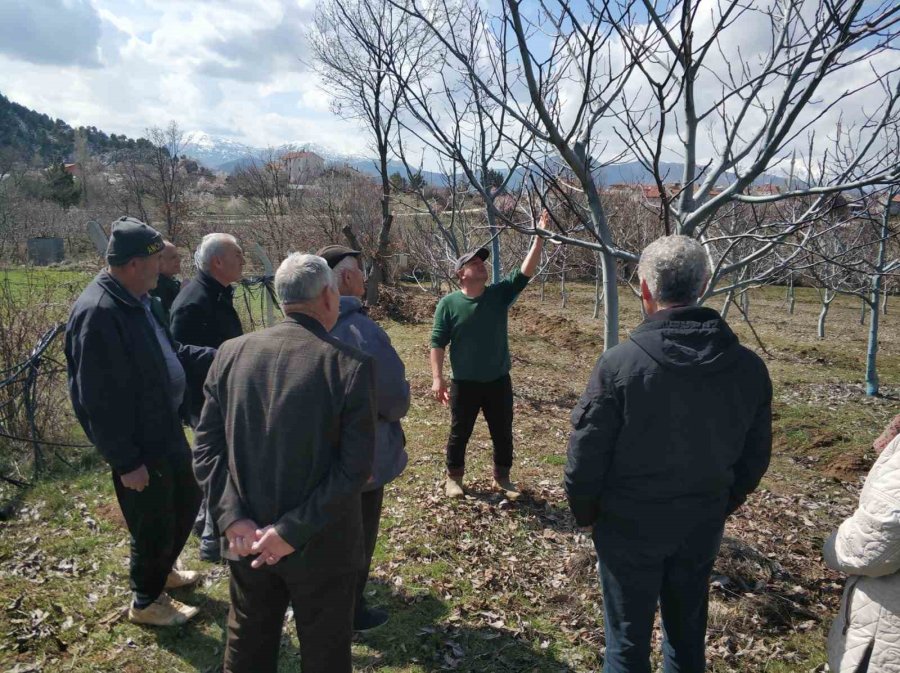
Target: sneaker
<point>453,487</point>
<point>506,487</point>
<point>164,611</point>
<point>368,618</point>
<point>182,578</point>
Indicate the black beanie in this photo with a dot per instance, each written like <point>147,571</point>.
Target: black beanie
<point>132,238</point>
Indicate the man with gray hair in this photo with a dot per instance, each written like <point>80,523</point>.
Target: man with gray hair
<point>672,433</point>
<point>283,449</point>
<point>203,315</point>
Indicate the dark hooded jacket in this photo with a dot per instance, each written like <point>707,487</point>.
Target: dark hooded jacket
<point>674,422</point>
<point>118,380</point>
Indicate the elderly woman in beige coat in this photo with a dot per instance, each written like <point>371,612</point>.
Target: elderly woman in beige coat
<point>865,636</point>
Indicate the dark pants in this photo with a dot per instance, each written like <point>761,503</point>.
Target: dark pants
<point>371,518</point>
<point>159,519</point>
<point>323,614</point>
<point>495,399</point>
<point>635,577</point>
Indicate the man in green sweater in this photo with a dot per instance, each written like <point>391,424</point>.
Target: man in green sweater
<point>473,321</point>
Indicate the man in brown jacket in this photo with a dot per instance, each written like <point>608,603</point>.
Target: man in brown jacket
<point>283,448</point>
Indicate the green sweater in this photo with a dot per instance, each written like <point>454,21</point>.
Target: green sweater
<point>476,329</point>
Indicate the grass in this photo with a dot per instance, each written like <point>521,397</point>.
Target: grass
<point>481,585</point>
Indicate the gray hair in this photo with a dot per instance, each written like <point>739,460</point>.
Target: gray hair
<point>301,278</point>
<point>675,268</point>
<point>211,246</point>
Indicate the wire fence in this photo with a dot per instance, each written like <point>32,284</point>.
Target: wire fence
<point>30,387</point>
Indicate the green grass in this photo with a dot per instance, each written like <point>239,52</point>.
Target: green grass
<point>478,585</point>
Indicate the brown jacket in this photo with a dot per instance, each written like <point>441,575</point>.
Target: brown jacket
<point>286,438</point>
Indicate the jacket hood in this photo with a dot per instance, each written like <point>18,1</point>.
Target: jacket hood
<point>116,290</point>
<point>350,305</point>
<point>693,337</point>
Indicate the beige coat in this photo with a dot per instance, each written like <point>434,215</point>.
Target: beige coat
<point>867,547</point>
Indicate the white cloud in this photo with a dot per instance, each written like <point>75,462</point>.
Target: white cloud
<point>58,32</point>
<point>230,68</point>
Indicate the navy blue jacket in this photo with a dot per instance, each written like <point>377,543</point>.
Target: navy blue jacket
<point>118,381</point>
<point>356,328</point>
<point>674,422</point>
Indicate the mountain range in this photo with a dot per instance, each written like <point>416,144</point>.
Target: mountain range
<point>29,135</point>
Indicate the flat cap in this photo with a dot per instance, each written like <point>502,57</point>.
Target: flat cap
<point>333,254</point>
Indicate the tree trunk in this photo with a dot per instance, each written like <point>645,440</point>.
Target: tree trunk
<point>745,304</point>
<point>729,298</point>
<point>610,301</point>
<point>872,348</point>
<point>823,314</point>
<point>874,300</point>
<point>496,266</point>
<point>379,273</point>
<point>862,311</point>
<point>543,283</point>
<point>884,298</point>
<point>562,286</point>
<point>791,297</point>
<point>598,290</point>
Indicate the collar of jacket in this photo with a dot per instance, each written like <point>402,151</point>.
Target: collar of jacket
<point>350,305</point>
<point>214,286</point>
<point>308,322</point>
<point>117,291</point>
<point>680,314</point>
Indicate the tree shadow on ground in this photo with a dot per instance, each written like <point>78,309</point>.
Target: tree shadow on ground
<point>423,633</point>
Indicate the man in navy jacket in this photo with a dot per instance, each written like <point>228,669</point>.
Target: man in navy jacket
<point>672,433</point>
<point>357,329</point>
<point>127,381</point>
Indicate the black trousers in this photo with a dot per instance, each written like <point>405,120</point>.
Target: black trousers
<point>323,614</point>
<point>495,400</point>
<point>159,519</point>
<point>372,502</point>
<point>636,577</point>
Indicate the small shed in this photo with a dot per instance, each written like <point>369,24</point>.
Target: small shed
<point>46,250</point>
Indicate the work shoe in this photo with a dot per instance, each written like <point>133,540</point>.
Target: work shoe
<point>506,487</point>
<point>182,578</point>
<point>453,487</point>
<point>368,618</point>
<point>164,611</point>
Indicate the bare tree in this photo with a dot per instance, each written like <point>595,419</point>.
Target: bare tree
<point>164,179</point>
<point>598,83</point>
<point>359,49</point>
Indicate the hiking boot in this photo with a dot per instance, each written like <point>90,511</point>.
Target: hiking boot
<point>506,487</point>
<point>182,578</point>
<point>368,618</point>
<point>453,487</point>
<point>164,611</point>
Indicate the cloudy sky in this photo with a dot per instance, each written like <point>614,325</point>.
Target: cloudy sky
<point>237,68</point>
<point>231,68</point>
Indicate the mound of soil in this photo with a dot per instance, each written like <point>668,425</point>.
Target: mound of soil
<point>848,466</point>
<point>404,305</point>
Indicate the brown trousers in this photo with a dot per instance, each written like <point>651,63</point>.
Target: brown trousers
<point>323,614</point>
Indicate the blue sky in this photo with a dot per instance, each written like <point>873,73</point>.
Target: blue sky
<point>232,68</point>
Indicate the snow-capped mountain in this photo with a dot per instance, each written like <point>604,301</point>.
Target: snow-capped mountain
<point>224,154</point>
<point>214,152</point>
